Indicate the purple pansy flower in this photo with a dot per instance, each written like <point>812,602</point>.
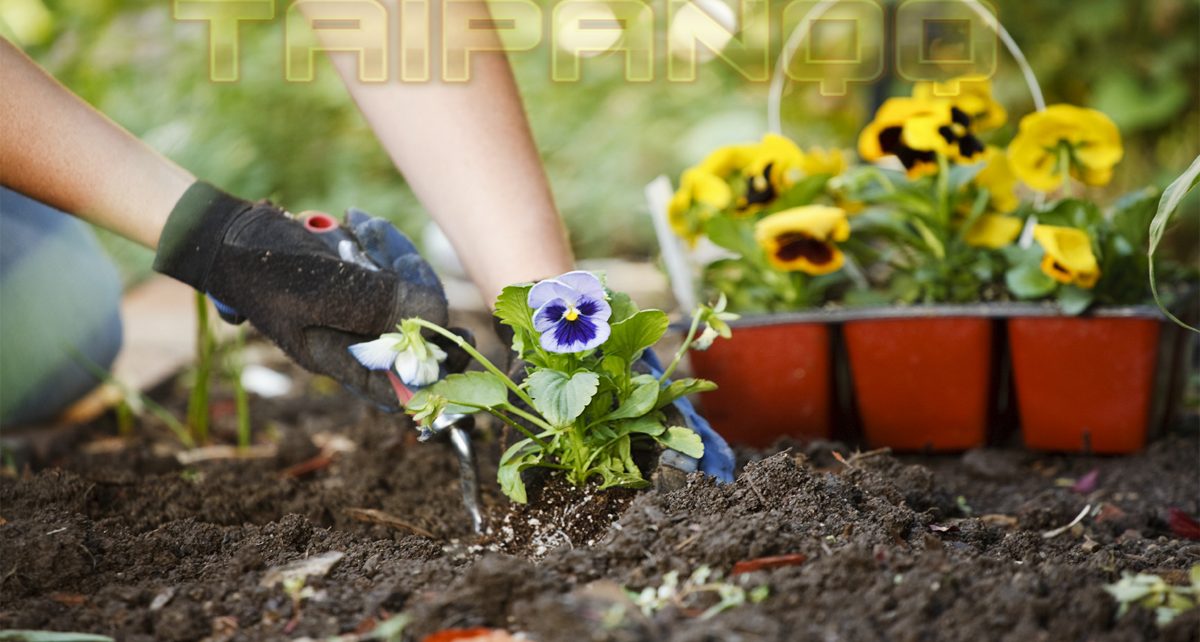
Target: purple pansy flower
<point>571,312</point>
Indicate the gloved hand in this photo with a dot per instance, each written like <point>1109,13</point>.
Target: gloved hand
<point>717,461</point>
<point>314,293</point>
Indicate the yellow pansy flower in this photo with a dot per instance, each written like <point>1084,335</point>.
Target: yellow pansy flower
<point>994,231</point>
<point>696,188</point>
<point>971,95</point>
<point>999,180</point>
<point>1085,139</point>
<point>915,131</point>
<point>817,160</point>
<point>803,238</point>
<point>1069,257</point>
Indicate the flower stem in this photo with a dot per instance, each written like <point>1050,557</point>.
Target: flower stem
<point>499,414</point>
<point>943,188</point>
<point>531,418</point>
<point>687,343</point>
<point>1064,163</point>
<point>483,361</point>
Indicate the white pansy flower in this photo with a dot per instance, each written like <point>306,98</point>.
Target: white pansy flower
<point>416,361</point>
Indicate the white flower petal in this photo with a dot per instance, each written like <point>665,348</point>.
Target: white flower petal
<point>415,371</point>
<point>378,354</point>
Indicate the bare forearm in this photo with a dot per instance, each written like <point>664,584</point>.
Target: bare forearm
<point>54,147</point>
<point>467,152</point>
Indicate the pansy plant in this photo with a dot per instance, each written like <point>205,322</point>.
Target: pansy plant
<point>582,407</point>
<point>778,216</point>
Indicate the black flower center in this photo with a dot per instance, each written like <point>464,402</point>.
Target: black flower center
<point>759,190</point>
<point>797,245</point>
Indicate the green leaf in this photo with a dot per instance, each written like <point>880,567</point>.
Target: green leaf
<point>644,425</point>
<point>482,389</point>
<point>622,306</point>
<point>802,193</point>
<point>517,458</point>
<point>512,307</point>
<point>682,388</point>
<point>1074,300</point>
<point>640,401</point>
<point>636,333</point>
<point>684,440</point>
<point>1029,282</point>
<point>559,398</point>
<point>735,235</point>
<point>1167,205</point>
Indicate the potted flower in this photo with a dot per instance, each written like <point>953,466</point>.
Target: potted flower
<point>777,223</point>
<point>938,210</point>
<point>1084,382</point>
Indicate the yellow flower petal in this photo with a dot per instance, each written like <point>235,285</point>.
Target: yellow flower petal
<point>1069,257</point>
<point>1092,138</point>
<point>999,180</point>
<point>993,231</point>
<point>973,96</point>
<point>803,238</point>
<point>819,161</point>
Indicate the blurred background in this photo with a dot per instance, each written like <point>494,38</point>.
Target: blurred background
<point>305,145</point>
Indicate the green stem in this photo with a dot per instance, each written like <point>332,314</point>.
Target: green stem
<point>525,431</point>
<point>943,188</point>
<point>483,361</point>
<point>687,343</point>
<point>241,399</point>
<point>198,399</point>
<point>1064,164</point>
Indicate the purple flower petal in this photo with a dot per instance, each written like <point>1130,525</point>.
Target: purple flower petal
<point>546,291</point>
<point>1087,483</point>
<point>597,309</point>
<point>583,282</point>
<point>549,315</point>
<point>575,336</point>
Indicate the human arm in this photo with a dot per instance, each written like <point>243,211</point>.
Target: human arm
<point>467,151</point>
<point>55,148</point>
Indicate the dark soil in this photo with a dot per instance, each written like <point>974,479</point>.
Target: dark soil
<point>123,540</point>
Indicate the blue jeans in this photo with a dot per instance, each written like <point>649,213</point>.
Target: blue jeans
<point>59,305</point>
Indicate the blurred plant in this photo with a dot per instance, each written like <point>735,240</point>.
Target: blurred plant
<point>701,583</point>
<point>206,345</point>
<point>1153,593</point>
<point>757,202</point>
<point>134,403</point>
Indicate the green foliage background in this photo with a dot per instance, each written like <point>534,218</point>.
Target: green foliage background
<point>306,146</point>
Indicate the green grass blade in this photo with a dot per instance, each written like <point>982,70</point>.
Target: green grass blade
<point>1167,205</point>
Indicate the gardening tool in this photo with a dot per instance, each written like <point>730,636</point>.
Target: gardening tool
<point>457,429</point>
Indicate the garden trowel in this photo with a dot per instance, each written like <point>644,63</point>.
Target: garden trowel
<point>456,429</point>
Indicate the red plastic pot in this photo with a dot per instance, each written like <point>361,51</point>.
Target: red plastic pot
<point>1084,384</point>
<point>775,380</point>
<point>922,383</point>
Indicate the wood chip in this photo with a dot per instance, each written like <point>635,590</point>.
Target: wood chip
<point>213,453</point>
<point>995,519</point>
<point>373,516</point>
<point>763,563</point>
<point>309,466</point>
<point>318,565</point>
<point>68,599</point>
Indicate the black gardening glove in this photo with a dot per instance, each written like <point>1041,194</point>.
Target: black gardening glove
<point>314,289</point>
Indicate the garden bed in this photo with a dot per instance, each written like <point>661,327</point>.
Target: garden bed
<point>125,541</point>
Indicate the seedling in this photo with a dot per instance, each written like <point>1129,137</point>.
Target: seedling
<point>1153,593</point>
<point>583,408</point>
<point>702,581</point>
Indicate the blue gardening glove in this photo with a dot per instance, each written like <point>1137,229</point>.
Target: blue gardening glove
<point>718,460</point>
